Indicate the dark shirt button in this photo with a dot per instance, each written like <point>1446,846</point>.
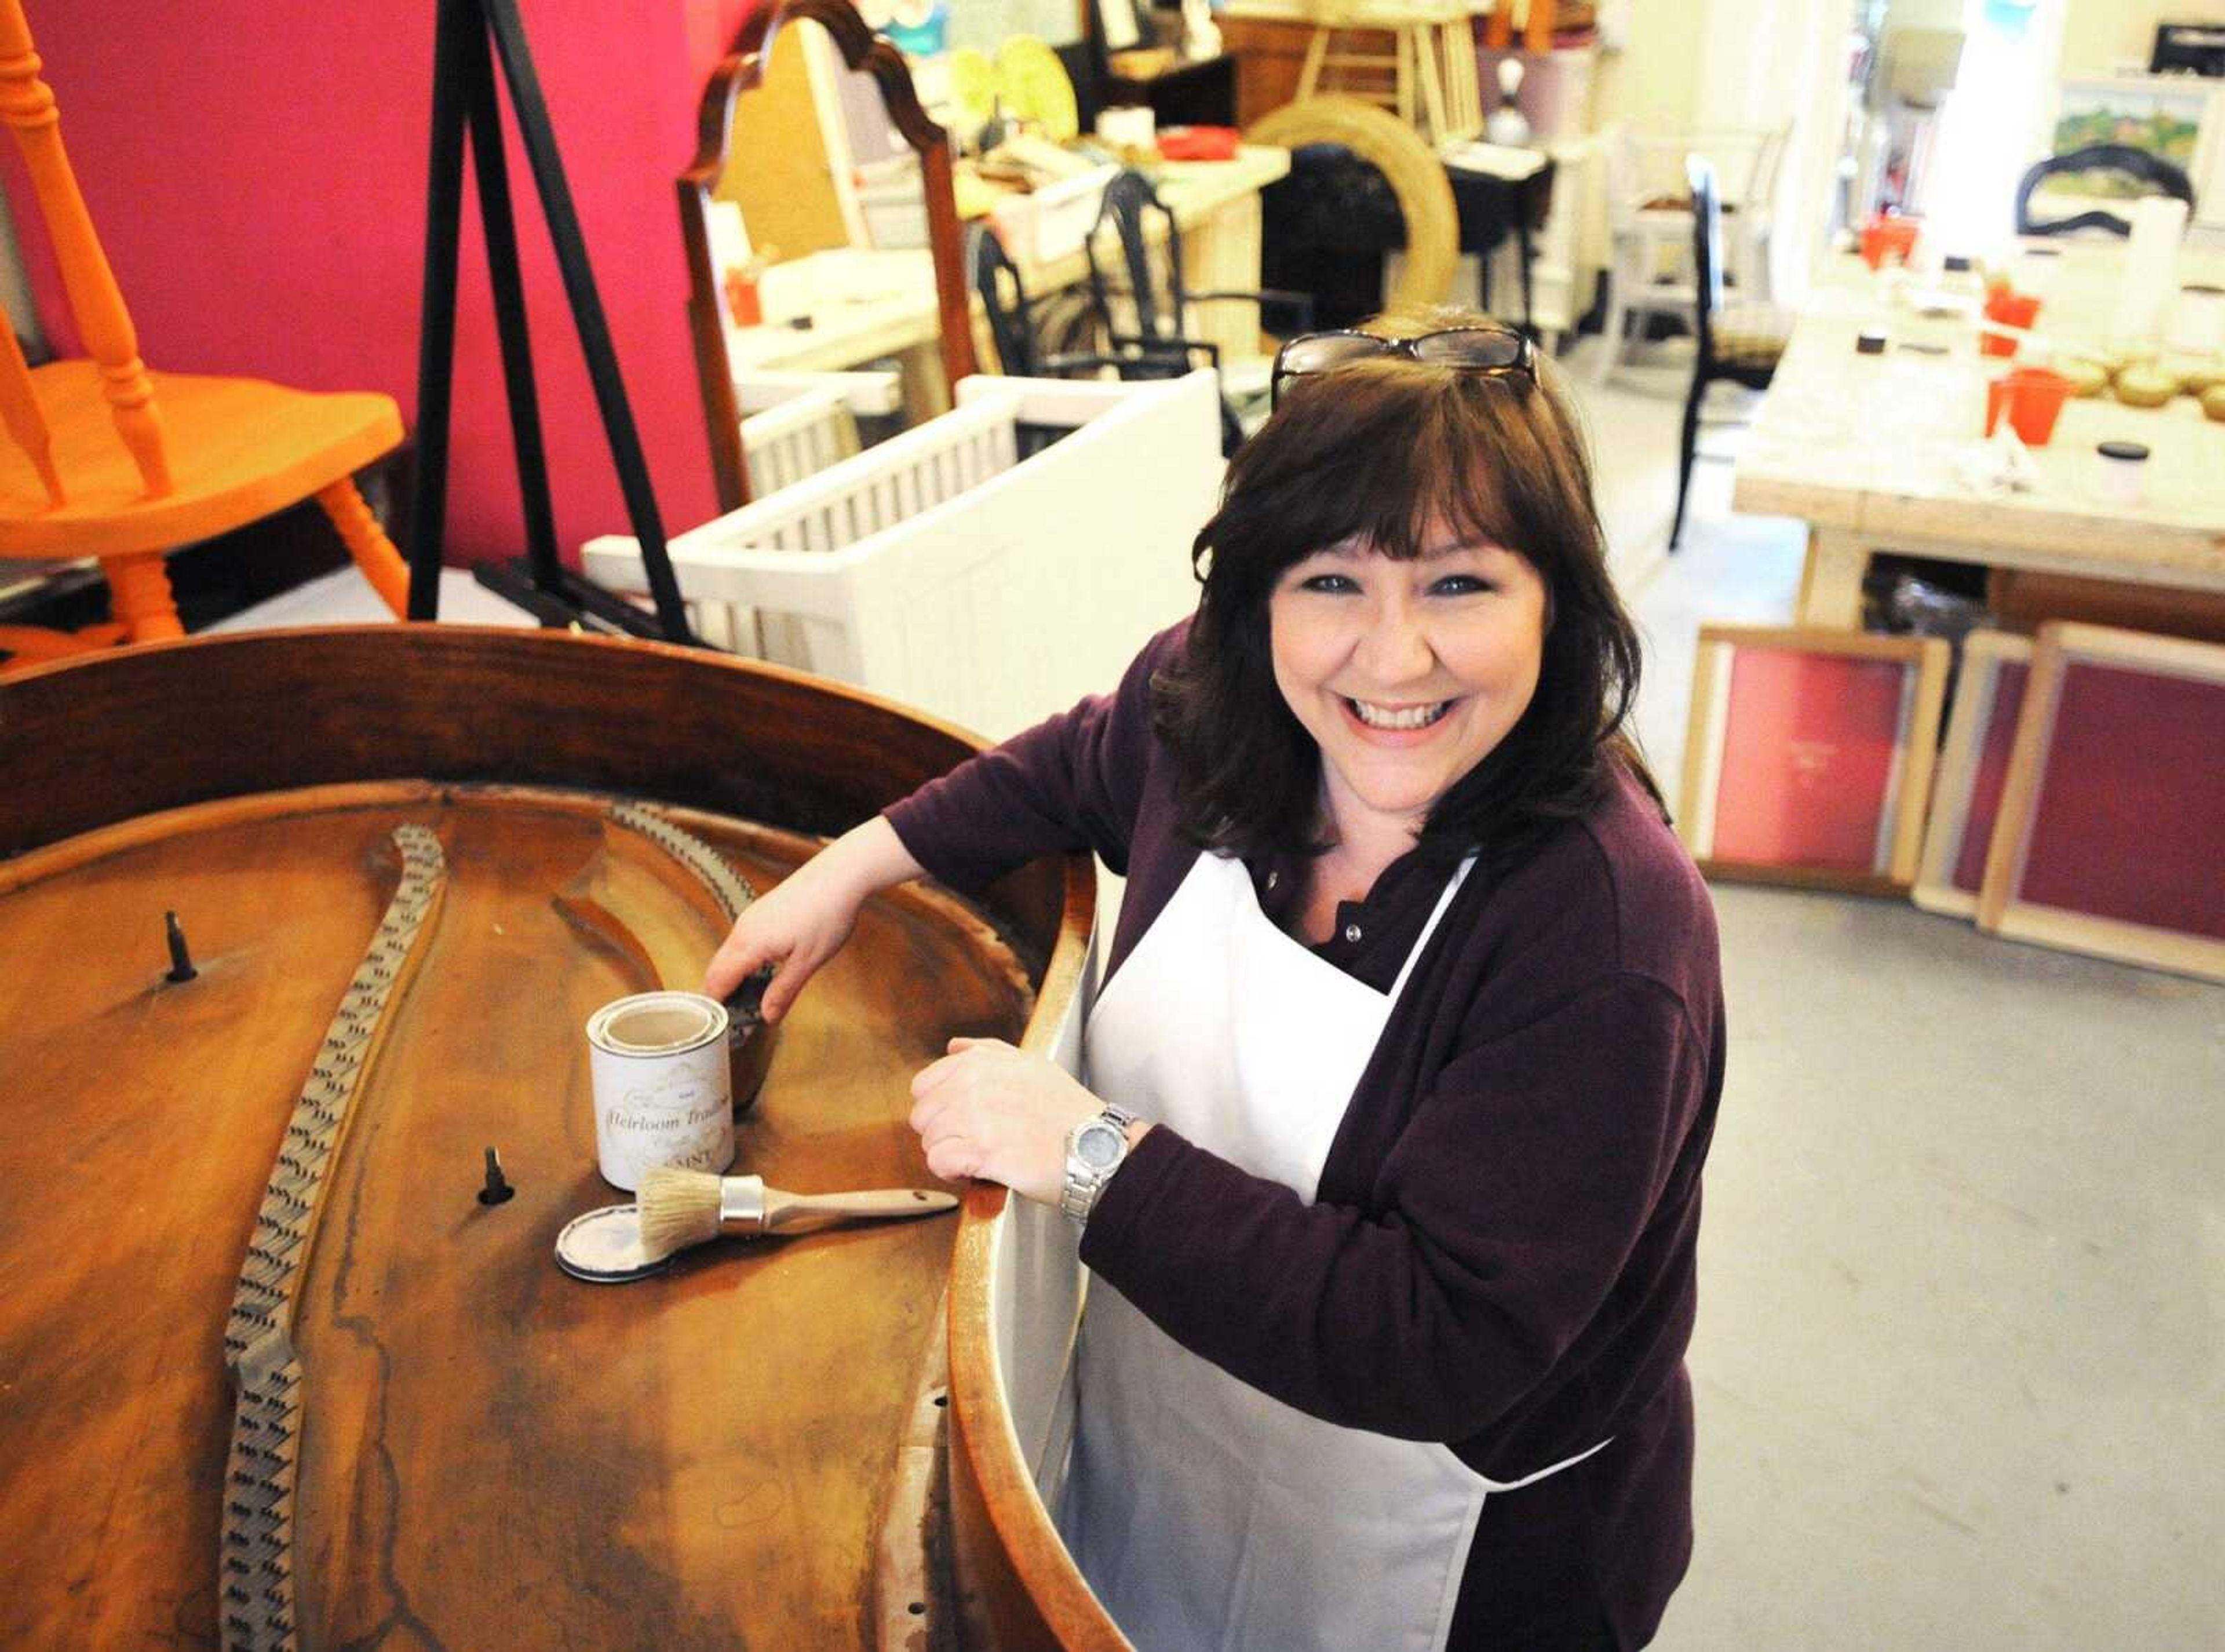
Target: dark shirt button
<point>1273,878</point>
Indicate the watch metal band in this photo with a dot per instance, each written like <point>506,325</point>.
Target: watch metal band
<point>1078,1195</point>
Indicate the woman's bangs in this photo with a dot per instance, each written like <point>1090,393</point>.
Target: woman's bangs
<point>1467,472</point>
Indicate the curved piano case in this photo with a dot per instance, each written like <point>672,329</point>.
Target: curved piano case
<point>744,1450</point>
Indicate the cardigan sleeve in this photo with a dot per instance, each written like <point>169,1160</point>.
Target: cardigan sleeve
<point>1503,1222</point>
<point>1073,781</point>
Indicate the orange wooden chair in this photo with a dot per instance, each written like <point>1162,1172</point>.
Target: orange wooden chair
<point>111,460</point>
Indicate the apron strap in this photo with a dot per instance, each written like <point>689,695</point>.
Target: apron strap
<point>1547,1473</point>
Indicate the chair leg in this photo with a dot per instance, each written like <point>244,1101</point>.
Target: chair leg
<point>1610,329</point>
<point>1463,117</point>
<point>1688,449</point>
<point>368,544</point>
<point>1422,52</point>
<point>1310,76</point>
<point>139,597</point>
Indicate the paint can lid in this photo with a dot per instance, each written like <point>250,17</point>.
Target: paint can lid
<point>2125,450</point>
<point>604,1246</point>
<point>656,1024</point>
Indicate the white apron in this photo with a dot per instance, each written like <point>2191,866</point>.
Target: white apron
<point>1206,1516</point>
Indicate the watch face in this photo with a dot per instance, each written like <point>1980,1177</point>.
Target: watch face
<point>1098,1146</point>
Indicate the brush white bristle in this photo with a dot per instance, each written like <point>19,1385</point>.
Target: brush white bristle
<point>678,1208</point>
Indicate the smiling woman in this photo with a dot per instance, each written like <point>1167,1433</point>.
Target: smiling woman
<point>1379,460</point>
<point>1406,1061</point>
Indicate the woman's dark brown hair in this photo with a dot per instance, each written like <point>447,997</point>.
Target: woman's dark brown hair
<point>1378,451</point>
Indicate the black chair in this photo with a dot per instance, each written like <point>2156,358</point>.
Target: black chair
<point>1147,282</point>
<point>1739,344</point>
<point>1016,328</point>
<point>1015,321</point>
<point>2163,177</point>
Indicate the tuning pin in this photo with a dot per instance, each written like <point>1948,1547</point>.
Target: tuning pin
<point>181,961</point>
<point>496,1190</point>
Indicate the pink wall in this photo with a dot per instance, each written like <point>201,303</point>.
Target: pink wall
<point>712,26</point>
<point>258,173</point>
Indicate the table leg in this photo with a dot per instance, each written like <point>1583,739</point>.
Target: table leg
<point>1221,254</point>
<point>1831,583</point>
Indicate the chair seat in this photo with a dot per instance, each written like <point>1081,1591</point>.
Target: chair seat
<point>1752,335</point>
<point>239,450</point>
<point>1384,14</point>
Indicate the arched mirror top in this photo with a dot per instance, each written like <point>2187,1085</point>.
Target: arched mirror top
<point>863,51</point>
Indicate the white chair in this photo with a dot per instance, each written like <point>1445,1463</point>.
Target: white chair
<point>942,569</point>
<point>1650,223</point>
<point>1750,210</point>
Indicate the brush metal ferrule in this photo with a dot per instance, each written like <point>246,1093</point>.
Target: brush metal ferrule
<point>742,1202</point>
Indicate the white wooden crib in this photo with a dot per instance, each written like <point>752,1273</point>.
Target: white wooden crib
<point>942,569</point>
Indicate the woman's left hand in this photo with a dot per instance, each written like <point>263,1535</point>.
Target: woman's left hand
<point>990,1111</point>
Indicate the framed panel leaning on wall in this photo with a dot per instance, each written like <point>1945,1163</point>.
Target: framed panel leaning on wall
<point>2114,808</point>
<point>1965,793</point>
<point>1810,755</point>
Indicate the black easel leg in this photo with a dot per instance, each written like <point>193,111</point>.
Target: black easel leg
<point>436,340</point>
<point>498,222</point>
<point>587,312</point>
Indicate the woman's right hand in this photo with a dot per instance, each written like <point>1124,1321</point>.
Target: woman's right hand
<point>803,921</point>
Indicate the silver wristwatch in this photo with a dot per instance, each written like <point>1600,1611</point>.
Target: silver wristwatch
<point>1093,1151</point>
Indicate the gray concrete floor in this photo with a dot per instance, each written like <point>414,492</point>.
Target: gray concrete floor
<point>1961,1358</point>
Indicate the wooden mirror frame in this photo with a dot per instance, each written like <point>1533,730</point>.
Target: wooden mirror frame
<point>743,70</point>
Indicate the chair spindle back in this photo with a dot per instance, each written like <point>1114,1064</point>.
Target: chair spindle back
<point>28,105</point>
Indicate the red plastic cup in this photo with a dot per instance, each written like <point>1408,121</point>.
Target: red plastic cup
<point>2033,398</point>
<point>742,300</point>
<point>2012,309</point>
<point>1883,236</point>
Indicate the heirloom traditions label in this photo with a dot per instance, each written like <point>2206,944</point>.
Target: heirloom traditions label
<point>668,1106</point>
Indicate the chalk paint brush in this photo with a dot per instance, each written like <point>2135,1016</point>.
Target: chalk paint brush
<point>680,1208</point>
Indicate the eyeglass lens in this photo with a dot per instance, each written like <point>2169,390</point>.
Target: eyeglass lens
<point>1470,347</point>
<point>1323,350</point>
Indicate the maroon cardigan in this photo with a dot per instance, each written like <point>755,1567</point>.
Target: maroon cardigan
<point>1500,1253</point>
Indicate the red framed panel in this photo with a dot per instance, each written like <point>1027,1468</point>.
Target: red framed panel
<point>1972,773</point>
<point>1810,755</point>
<point>2112,835</point>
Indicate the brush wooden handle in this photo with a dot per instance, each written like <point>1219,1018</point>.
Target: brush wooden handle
<point>782,1210</point>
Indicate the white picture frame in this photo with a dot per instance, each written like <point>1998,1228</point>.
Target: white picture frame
<point>2084,103</point>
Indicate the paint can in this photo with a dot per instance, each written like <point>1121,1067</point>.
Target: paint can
<point>663,1091</point>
